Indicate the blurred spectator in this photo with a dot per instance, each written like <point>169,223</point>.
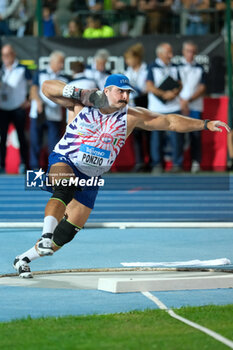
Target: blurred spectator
<point>51,4</point>
<point>7,8</point>
<point>49,26</point>
<point>97,70</point>
<point>96,29</point>
<point>126,10</point>
<point>197,19</point>
<point>45,114</point>
<point>13,103</point>
<point>95,5</point>
<point>74,29</point>
<point>137,73</point>
<point>86,5</point>
<point>191,97</point>
<point>176,17</point>
<point>62,15</point>
<point>163,85</point>
<point>85,8</point>
<point>158,13</point>
<point>77,6</point>
<point>138,25</point>
<point>79,78</point>
<point>21,20</point>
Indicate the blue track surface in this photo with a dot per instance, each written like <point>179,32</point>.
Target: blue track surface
<point>34,302</point>
<point>100,248</point>
<point>134,198</point>
<point>108,248</point>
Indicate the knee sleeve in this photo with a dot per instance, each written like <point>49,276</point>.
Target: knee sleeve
<point>64,232</point>
<point>63,193</point>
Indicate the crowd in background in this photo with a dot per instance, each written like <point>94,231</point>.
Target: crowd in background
<point>107,18</point>
<point>161,86</point>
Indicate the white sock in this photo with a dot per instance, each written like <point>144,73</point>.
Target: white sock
<point>31,254</point>
<point>50,223</point>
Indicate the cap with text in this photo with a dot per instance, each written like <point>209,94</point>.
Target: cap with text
<point>119,80</point>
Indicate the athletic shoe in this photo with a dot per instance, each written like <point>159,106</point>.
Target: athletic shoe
<point>22,267</point>
<point>44,247</point>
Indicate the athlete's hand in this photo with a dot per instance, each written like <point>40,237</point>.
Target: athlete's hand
<point>90,98</point>
<point>216,125</point>
<point>93,98</point>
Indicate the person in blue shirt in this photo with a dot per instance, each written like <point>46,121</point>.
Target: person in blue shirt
<point>49,27</point>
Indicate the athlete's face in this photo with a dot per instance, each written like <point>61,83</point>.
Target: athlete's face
<point>117,98</point>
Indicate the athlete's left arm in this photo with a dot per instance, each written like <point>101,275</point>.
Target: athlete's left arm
<point>148,120</point>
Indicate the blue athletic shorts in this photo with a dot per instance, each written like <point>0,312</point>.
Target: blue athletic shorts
<point>88,195</point>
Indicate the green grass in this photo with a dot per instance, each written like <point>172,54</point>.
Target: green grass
<point>138,330</point>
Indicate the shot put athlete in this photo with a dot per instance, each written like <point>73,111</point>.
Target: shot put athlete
<point>98,125</point>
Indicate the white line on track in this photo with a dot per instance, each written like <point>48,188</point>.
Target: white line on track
<point>104,201</point>
<point>121,193</point>
<point>205,330</point>
<point>101,198</point>
<point>135,205</point>
<point>141,212</point>
<point>124,225</point>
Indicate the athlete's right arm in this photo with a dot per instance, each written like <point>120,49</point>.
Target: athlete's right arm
<point>69,96</point>
<point>53,89</point>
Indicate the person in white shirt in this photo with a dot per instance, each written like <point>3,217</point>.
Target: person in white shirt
<point>164,101</point>
<point>193,80</point>
<point>137,72</point>
<point>44,113</point>
<point>97,70</point>
<point>7,9</point>
<point>14,84</point>
<point>79,78</point>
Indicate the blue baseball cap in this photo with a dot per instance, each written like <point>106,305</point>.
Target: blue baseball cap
<point>119,80</point>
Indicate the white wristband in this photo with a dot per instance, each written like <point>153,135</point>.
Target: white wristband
<point>68,91</point>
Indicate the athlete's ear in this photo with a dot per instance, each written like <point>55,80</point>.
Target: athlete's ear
<point>106,90</point>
